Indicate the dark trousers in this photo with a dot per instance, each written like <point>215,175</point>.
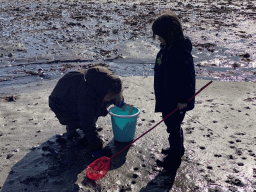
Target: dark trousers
<point>176,140</point>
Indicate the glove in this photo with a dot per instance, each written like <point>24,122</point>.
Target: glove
<point>121,104</point>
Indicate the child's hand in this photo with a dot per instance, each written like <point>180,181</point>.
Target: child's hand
<point>182,105</point>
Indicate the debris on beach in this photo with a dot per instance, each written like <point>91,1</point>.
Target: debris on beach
<point>10,98</point>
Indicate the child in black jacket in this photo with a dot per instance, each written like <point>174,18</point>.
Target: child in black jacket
<point>174,84</point>
<point>80,97</point>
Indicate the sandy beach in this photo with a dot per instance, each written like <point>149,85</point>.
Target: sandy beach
<point>219,140</point>
<point>58,36</point>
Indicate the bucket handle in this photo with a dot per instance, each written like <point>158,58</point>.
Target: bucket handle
<point>131,108</point>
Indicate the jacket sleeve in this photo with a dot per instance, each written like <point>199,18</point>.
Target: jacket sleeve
<point>179,79</point>
<point>119,101</point>
<point>186,85</point>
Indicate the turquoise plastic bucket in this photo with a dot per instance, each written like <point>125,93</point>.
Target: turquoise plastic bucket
<point>123,124</point>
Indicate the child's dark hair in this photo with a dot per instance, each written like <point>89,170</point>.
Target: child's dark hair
<point>116,87</point>
<point>168,27</point>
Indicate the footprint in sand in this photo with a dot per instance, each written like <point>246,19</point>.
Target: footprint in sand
<point>239,152</point>
<point>209,167</point>
<point>191,141</point>
<point>231,157</point>
<point>135,168</point>
<point>252,154</point>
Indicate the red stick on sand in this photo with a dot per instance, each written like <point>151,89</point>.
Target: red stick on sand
<point>99,168</point>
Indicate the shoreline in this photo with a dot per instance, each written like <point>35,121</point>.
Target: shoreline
<point>219,141</point>
<point>48,32</point>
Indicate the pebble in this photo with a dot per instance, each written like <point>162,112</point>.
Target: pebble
<point>9,156</point>
<point>234,181</point>
<point>209,167</point>
<point>10,55</point>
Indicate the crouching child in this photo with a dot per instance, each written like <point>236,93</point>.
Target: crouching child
<point>80,97</point>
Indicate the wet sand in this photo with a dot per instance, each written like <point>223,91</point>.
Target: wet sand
<point>47,33</point>
<point>219,140</point>
<point>219,133</point>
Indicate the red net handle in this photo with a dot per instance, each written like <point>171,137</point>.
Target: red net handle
<point>161,120</point>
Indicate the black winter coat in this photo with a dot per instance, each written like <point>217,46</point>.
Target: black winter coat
<point>174,77</point>
<point>78,97</point>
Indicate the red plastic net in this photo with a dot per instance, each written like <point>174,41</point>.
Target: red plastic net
<point>98,168</point>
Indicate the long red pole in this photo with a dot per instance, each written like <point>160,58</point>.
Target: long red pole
<point>161,120</point>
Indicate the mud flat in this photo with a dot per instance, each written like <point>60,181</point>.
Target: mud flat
<point>55,35</point>
<point>45,34</point>
<point>219,139</point>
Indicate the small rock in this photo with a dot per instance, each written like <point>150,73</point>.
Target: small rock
<point>134,176</point>
<point>10,98</point>
<point>245,55</point>
<point>234,181</point>
<point>10,55</point>
<point>209,167</point>
<point>32,72</point>
<point>99,129</point>
<point>9,156</point>
<point>135,168</point>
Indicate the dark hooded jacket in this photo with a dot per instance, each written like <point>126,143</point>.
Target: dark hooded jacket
<point>78,97</point>
<point>174,78</point>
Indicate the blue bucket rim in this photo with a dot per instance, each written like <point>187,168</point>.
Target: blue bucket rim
<point>124,116</point>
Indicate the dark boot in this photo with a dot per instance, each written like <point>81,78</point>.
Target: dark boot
<point>71,131</point>
<point>166,151</point>
<point>171,163</point>
<point>83,141</point>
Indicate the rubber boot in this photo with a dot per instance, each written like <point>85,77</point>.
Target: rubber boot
<point>166,151</point>
<point>71,131</point>
<point>171,163</point>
